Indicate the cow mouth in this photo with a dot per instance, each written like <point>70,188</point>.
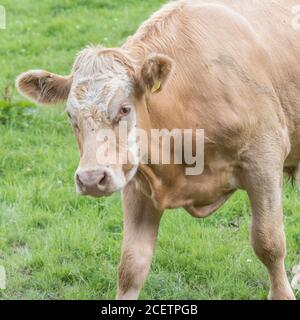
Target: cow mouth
<point>94,191</point>
<point>95,194</point>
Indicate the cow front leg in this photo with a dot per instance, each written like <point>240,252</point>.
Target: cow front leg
<point>141,223</point>
<point>267,231</point>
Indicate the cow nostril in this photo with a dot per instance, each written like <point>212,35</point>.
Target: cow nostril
<point>103,179</point>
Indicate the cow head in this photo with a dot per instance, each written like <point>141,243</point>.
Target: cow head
<point>101,96</point>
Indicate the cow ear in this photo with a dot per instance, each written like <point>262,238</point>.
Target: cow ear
<point>155,72</point>
<point>44,87</point>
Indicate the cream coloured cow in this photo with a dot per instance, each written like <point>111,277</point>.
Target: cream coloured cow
<point>229,67</point>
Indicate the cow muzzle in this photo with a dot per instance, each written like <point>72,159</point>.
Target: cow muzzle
<point>95,183</point>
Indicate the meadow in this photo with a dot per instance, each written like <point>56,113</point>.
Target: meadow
<point>57,245</point>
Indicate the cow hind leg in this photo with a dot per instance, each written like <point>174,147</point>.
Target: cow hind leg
<point>267,230</point>
<point>269,245</point>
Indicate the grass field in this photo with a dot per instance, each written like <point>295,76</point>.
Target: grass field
<point>56,245</point>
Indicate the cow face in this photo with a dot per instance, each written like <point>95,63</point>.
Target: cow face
<point>102,114</point>
<point>100,97</point>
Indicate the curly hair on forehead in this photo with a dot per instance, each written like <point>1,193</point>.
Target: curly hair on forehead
<point>96,59</point>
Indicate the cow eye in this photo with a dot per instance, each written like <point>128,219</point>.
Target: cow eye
<point>124,111</point>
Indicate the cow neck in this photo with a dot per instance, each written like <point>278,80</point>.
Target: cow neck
<point>150,178</point>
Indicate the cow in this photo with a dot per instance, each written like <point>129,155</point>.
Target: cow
<point>231,68</point>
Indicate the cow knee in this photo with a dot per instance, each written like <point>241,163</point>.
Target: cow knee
<point>133,268</point>
<point>269,245</point>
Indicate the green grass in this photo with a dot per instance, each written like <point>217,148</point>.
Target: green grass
<point>56,245</point>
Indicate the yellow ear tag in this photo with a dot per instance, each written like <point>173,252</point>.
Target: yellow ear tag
<point>156,86</point>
